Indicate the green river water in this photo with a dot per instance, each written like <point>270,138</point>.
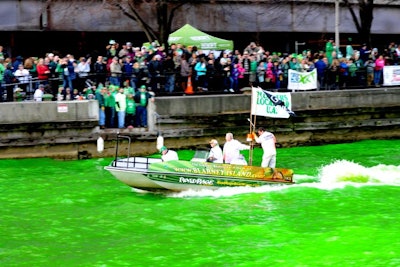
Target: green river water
<point>342,211</point>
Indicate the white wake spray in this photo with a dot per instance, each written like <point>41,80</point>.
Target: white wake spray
<point>338,174</point>
<point>341,173</point>
<point>347,171</point>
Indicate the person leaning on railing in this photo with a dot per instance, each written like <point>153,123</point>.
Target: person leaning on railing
<point>83,68</point>
<point>115,72</point>
<point>23,77</point>
<point>2,69</point>
<point>43,71</point>
<point>9,81</point>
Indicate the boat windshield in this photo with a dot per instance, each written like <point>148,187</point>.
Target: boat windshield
<point>200,156</point>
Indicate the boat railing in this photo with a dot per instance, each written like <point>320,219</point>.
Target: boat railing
<point>119,137</point>
<point>140,163</point>
<point>128,161</point>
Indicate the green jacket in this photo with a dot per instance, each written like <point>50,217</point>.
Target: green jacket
<point>2,69</point>
<point>130,106</point>
<point>100,98</point>
<point>253,66</point>
<point>109,100</point>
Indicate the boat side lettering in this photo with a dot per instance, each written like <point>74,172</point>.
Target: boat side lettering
<point>199,181</point>
<point>221,172</point>
<point>233,183</point>
<point>200,171</point>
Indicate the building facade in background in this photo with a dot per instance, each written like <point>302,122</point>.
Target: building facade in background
<point>86,26</point>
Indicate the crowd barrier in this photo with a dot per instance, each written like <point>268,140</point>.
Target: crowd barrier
<point>25,90</point>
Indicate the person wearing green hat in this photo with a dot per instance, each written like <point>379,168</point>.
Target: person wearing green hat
<point>142,98</point>
<point>168,154</point>
<point>329,48</point>
<point>120,107</point>
<point>294,64</point>
<point>100,97</point>
<point>349,48</point>
<point>109,103</point>
<point>130,111</point>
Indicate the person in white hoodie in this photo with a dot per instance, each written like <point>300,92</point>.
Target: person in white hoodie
<point>231,150</point>
<point>120,107</point>
<point>267,141</point>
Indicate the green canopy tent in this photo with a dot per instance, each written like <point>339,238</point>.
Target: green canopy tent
<point>190,36</point>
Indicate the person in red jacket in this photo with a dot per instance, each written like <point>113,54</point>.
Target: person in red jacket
<point>43,71</point>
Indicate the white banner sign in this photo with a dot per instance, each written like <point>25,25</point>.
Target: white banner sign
<point>62,107</point>
<point>391,75</point>
<point>302,80</point>
<point>268,104</point>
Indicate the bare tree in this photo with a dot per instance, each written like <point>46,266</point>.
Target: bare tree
<point>363,21</point>
<point>164,12</point>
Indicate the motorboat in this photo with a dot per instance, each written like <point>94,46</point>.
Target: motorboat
<point>153,174</point>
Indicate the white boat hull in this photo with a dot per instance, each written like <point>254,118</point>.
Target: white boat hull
<point>134,179</point>
<point>133,172</point>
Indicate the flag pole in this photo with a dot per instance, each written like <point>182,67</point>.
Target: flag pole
<point>252,140</point>
<point>249,136</point>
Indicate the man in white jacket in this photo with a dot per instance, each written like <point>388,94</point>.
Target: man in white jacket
<point>267,141</point>
<point>231,151</point>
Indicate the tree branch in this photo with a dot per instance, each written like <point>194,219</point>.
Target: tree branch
<point>148,30</point>
<point>353,15</point>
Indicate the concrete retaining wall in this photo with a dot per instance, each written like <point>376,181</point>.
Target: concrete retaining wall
<point>47,111</point>
<point>70,129</point>
<point>47,129</point>
<point>322,117</point>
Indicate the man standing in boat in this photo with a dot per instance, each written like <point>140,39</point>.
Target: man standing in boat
<point>215,155</point>
<point>267,141</point>
<point>231,151</point>
<point>167,154</point>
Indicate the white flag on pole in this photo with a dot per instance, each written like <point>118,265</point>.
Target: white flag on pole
<point>269,104</point>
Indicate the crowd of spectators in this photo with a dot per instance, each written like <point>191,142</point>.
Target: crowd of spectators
<point>125,78</point>
<point>166,70</point>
